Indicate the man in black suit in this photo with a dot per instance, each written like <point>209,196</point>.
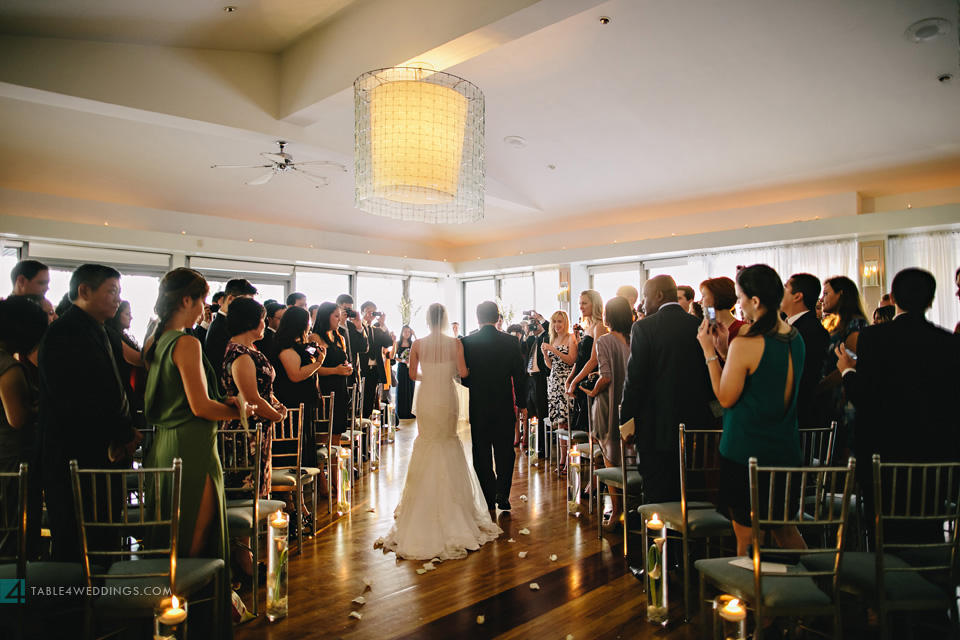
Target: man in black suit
<point>667,383</point>
<point>274,312</point>
<point>497,390</point>
<point>84,414</point>
<point>372,367</point>
<point>904,384</point>
<point>351,330</point>
<point>800,295</point>
<point>537,372</point>
<point>215,344</point>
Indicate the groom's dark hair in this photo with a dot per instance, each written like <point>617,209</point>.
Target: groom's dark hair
<point>488,312</point>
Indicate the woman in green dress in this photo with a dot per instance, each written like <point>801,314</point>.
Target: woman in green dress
<point>182,401</point>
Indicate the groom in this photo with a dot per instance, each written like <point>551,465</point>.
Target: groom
<point>497,384</point>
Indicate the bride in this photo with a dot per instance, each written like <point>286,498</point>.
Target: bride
<point>442,512</point>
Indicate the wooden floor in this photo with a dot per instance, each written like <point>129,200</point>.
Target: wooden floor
<point>586,593</point>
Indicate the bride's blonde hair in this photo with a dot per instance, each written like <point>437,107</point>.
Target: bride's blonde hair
<point>437,317</point>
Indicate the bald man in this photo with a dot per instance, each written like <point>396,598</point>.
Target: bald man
<point>667,383</point>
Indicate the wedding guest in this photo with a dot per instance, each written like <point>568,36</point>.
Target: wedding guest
<point>297,299</point>
<point>296,362</point>
<point>799,296</point>
<point>537,372</point>
<point>884,314</point>
<point>956,279</point>
<point>183,402</point>
<point>336,369</point>
<point>885,301</point>
<point>131,365</point>
<point>760,411</point>
<point>354,337</point>
<point>313,313</point>
<point>372,364</point>
<point>455,328</point>
<point>44,304</point>
<point>248,374</point>
<point>685,296</point>
<point>405,386</point>
<point>216,300</point>
<point>696,310</point>
<point>63,305</point>
<point>84,413</point>
<point>201,331</point>
<point>30,276</point>
<point>721,294</point>
<point>903,384</point>
<point>215,345</point>
<point>666,384</point>
<point>22,325</point>
<point>591,310</point>
<point>630,293</point>
<point>559,356</point>
<point>841,299</point>
<point>612,353</point>
<point>275,312</point>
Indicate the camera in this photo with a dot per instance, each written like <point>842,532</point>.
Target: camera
<point>529,313</point>
<point>377,314</point>
<point>351,313</point>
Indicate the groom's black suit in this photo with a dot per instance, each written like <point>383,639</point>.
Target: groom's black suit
<point>497,385</point>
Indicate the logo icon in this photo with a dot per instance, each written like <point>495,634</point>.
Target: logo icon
<point>13,591</point>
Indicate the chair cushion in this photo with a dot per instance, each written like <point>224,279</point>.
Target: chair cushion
<point>51,575</point>
<point>584,448</point>
<point>858,575</point>
<point>611,476</point>
<point>781,592</point>
<point>703,520</point>
<point>283,478</point>
<point>240,515</point>
<point>192,574</point>
<point>310,471</point>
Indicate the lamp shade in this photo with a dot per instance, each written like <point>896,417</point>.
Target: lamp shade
<point>419,145</point>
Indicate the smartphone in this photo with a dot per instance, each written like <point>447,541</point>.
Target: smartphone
<point>311,350</point>
<point>852,355</point>
<point>711,315</point>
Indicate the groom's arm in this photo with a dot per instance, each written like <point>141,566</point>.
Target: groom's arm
<point>519,376</point>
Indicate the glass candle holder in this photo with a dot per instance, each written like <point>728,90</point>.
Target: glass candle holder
<point>729,618</point>
<point>573,480</point>
<point>373,444</point>
<point>532,444</point>
<point>391,427</point>
<point>655,542</point>
<point>343,480</point>
<point>170,619</point>
<point>278,541</point>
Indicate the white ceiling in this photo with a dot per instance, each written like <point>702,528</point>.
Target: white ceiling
<point>691,101</point>
<point>256,25</point>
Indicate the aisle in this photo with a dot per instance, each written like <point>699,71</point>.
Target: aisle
<point>586,592</point>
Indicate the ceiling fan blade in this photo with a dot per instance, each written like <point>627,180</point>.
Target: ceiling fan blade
<point>263,178</point>
<point>241,166</point>
<point>279,158</point>
<point>317,181</point>
<point>321,163</point>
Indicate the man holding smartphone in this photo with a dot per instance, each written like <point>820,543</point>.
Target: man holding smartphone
<point>372,367</point>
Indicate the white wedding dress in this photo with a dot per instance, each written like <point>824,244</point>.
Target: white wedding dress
<point>442,512</point>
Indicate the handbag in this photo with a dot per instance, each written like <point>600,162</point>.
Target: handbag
<point>590,381</point>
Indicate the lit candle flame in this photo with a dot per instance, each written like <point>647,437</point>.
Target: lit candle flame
<point>174,603</point>
<point>278,518</point>
<point>655,519</point>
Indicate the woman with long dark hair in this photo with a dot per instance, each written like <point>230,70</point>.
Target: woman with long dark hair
<point>133,374</point>
<point>758,391</point>
<point>335,370</point>
<point>183,402</point>
<point>405,386</point>
<point>841,299</point>
<point>296,362</point>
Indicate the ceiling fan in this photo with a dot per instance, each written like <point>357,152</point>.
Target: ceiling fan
<point>283,162</point>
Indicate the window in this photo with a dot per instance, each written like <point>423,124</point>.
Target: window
<point>516,296</point>
<point>321,286</point>
<point>547,284</point>
<point>265,290</point>
<point>385,291</point>
<point>683,272</point>
<point>424,292</point>
<point>606,280</point>
<point>475,292</point>
<point>9,256</point>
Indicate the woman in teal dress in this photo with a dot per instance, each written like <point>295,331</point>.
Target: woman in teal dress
<point>183,403</point>
<point>758,391</point>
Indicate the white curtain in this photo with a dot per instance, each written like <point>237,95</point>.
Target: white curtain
<point>822,259</point>
<point>938,253</point>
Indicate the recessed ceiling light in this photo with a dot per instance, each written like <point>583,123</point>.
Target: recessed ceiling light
<point>515,141</point>
<point>230,8</point>
<point>604,20</point>
<point>926,30</point>
<point>183,233</point>
<point>551,167</point>
<point>250,240</point>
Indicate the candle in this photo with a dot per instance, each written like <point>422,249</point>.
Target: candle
<point>654,523</point>
<point>280,519</point>
<point>733,611</point>
<point>173,615</point>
